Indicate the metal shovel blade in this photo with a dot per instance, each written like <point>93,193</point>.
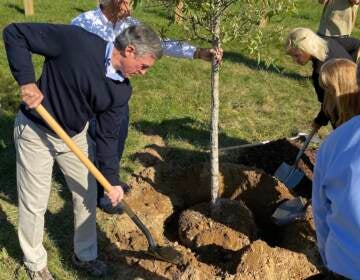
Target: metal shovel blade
<point>289,175</point>
<point>289,211</point>
<point>166,253</point>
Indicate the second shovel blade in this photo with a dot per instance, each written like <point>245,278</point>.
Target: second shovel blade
<point>289,175</point>
<point>294,178</point>
<point>289,211</point>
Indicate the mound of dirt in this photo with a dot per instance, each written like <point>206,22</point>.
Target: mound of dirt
<point>153,208</point>
<point>229,225</point>
<point>217,233</point>
<point>261,261</point>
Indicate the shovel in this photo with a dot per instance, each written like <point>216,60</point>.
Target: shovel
<point>166,253</point>
<point>290,175</point>
<point>290,211</point>
<point>256,144</point>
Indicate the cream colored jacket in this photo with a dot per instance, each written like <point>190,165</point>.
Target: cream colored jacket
<point>338,18</point>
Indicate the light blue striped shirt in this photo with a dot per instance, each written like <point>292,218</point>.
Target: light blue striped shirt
<point>336,199</point>
<point>96,22</point>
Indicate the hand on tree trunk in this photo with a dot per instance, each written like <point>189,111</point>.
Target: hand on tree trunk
<point>208,54</point>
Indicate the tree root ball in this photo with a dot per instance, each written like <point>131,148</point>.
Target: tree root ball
<point>229,224</point>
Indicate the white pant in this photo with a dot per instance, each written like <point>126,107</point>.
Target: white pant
<point>36,150</point>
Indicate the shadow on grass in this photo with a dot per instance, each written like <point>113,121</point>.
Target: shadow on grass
<point>8,238</point>
<point>7,158</point>
<point>185,129</point>
<point>8,232</point>
<point>253,64</point>
<point>17,8</point>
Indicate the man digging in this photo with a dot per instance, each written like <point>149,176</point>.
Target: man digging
<point>83,77</point>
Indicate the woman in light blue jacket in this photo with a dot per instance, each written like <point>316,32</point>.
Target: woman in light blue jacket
<point>336,185</point>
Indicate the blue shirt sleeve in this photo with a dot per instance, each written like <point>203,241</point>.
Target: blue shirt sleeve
<point>179,49</point>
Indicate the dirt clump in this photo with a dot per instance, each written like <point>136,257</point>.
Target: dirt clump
<point>229,224</point>
<point>216,233</point>
<point>141,264</point>
<point>261,261</point>
<point>153,209</point>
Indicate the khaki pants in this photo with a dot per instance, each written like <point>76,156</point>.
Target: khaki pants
<point>36,150</point>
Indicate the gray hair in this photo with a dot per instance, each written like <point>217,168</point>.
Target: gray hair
<point>143,38</point>
<point>308,41</point>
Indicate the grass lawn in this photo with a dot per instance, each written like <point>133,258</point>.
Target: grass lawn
<point>173,101</point>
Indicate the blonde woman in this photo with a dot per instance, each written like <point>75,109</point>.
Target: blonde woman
<point>303,45</point>
<point>341,100</point>
<point>335,192</point>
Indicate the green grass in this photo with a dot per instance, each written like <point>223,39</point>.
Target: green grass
<point>173,101</point>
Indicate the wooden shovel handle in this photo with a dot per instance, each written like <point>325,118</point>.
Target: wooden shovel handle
<point>92,169</point>
<point>82,157</point>
<point>73,147</point>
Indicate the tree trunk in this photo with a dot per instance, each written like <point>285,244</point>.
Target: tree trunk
<point>215,108</point>
<point>179,12</point>
<point>29,7</point>
<point>265,14</point>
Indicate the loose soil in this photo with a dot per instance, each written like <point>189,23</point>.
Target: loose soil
<point>269,157</point>
<point>235,239</point>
